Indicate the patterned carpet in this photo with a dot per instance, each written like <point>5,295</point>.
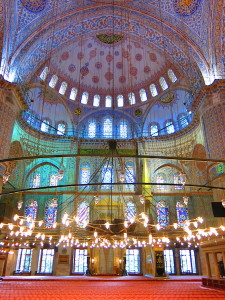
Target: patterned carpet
<point>106,290</point>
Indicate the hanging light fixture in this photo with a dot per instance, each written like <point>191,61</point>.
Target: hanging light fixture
<point>223,202</point>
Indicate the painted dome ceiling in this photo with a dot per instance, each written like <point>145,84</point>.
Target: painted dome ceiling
<point>104,68</point>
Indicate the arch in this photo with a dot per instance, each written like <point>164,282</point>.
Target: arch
<point>143,95</point>
<point>63,88</point>
<point>96,100</point>
<point>45,125</point>
<point>108,101</point>
<point>169,126</point>
<point>163,83</point>
<point>172,76</point>
<point>44,73</point>
<point>131,97</point>
<point>53,178</point>
<point>153,90</point>
<point>73,94</point>
<point>153,129</point>
<point>120,100</point>
<point>84,98</point>
<point>61,128</point>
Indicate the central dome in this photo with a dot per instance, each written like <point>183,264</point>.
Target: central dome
<point>108,64</point>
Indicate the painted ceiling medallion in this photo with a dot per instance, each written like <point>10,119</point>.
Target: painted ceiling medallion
<point>169,98</point>
<point>186,7</point>
<point>109,38</point>
<point>34,5</point>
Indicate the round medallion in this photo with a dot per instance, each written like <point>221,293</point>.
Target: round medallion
<point>186,7</point>
<point>108,76</point>
<point>95,79</point>
<point>72,68</point>
<point>34,5</point>
<point>65,55</point>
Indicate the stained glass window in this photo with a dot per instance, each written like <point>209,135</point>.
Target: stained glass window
<point>133,261</point>
<point>131,98</point>
<point>143,95</point>
<point>160,178</point>
<point>108,101</point>
<point>130,210</point>
<point>172,76</point>
<point>73,94</point>
<point>129,175</point>
<point>170,127</point>
<point>92,129</point>
<point>63,88</point>
<point>61,128</point>
<point>24,260</point>
<point>183,121</point>
<point>162,213</point>
<point>44,73</point>
<point>45,126</point>
<point>83,213</point>
<point>79,261</point>
<point>45,263</point>
<point>51,207</point>
<point>84,98</point>
<point>163,83</point>
<point>154,130</point>
<point>96,101</point>
<point>169,261</point>
<point>107,176</point>
<point>35,180</point>
<point>123,129</point>
<point>107,128</point>
<point>30,211</point>
<point>120,100</point>
<point>53,81</point>
<point>53,179</point>
<point>182,213</point>
<point>178,179</point>
<point>85,173</point>
<point>153,90</point>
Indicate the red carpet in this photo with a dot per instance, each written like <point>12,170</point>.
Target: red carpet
<point>106,290</point>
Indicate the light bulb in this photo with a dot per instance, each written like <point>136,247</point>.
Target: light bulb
<point>107,225</point>
<point>223,203</point>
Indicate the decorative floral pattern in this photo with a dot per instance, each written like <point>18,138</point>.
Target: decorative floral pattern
<point>186,7</point>
<point>34,5</point>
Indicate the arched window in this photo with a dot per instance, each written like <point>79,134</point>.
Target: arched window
<point>53,81</point>
<point>96,100</point>
<point>107,127</point>
<point>178,179</point>
<point>73,94</point>
<point>182,213</point>
<point>153,90</point>
<point>35,180</point>
<point>63,88</point>
<point>130,210</point>
<point>160,178</point>
<point>53,179</point>
<point>123,130</point>
<point>107,176</point>
<point>30,211</point>
<point>129,175</point>
<point>92,129</point>
<point>163,83</point>
<point>108,101</point>
<point>172,76</point>
<point>170,127</point>
<point>61,128</point>
<point>183,121</point>
<point>84,98</point>
<point>162,213</point>
<point>51,207</point>
<point>45,125</point>
<point>120,100</point>
<point>154,130</point>
<point>85,173</point>
<point>83,213</point>
<point>44,73</point>
<point>143,95</point>
<point>131,98</point>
